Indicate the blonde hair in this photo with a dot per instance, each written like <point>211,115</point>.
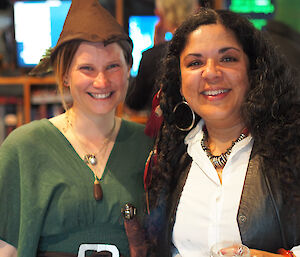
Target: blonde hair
<point>176,11</point>
<point>61,63</point>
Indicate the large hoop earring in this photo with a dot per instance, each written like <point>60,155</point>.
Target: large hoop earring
<point>181,110</point>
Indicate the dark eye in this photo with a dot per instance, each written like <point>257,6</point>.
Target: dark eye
<point>194,64</point>
<point>228,59</point>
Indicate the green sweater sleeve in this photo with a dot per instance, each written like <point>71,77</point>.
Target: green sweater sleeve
<point>20,217</point>
<point>9,192</point>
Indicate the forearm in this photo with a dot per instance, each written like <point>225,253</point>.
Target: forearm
<point>258,253</point>
<point>7,250</point>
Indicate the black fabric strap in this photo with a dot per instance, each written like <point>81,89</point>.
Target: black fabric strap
<point>61,254</point>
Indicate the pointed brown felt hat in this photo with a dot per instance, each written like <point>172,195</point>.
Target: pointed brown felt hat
<point>86,20</point>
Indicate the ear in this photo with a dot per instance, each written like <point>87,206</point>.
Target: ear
<point>158,13</point>
<point>181,91</point>
<point>66,81</point>
<point>128,72</point>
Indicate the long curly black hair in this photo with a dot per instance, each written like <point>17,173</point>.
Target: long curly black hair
<point>270,111</point>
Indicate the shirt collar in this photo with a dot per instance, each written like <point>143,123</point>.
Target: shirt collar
<point>196,134</point>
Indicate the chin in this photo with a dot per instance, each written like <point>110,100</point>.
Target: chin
<point>214,116</point>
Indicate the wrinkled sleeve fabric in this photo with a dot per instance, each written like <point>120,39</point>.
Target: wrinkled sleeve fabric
<point>9,192</point>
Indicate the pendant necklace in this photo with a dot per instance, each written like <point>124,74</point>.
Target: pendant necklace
<point>91,158</point>
<point>219,161</point>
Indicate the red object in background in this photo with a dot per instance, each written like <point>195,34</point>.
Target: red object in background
<point>156,118</point>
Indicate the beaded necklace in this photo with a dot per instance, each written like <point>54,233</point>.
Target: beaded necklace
<point>219,161</point>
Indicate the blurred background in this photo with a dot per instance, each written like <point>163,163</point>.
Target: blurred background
<point>28,28</point>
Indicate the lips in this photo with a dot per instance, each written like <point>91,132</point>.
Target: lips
<point>215,92</point>
<point>100,96</point>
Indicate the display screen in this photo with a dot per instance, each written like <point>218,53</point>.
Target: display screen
<point>252,6</point>
<point>258,11</point>
<point>37,26</point>
<point>141,31</point>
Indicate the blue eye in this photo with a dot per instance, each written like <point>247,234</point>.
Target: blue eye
<point>114,65</point>
<point>86,68</point>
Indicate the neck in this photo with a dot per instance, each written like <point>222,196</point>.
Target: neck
<point>90,127</point>
<point>220,138</point>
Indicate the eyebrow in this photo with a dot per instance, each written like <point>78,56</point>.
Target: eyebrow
<point>221,51</point>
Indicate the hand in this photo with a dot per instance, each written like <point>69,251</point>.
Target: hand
<point>136,237</point>
<point>7,250</point>
<point>159,33</point>
<point>258,253</point>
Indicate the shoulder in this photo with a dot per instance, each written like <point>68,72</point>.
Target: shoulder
<point>27,133</point>
<point>20,144</point>
<point>33,128</point>
<point>133,128</point>
<point>157,51</point>
<point>134,132</point>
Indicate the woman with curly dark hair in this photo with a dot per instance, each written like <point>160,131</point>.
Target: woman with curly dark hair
<point>227,154</point>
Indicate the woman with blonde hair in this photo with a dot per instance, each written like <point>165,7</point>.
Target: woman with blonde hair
<point>64,181</point>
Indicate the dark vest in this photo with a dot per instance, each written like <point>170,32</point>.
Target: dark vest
<point>263,219</point>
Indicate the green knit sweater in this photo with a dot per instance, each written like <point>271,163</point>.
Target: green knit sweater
<point>46,190</point>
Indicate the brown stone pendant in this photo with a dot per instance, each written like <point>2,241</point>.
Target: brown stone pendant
<point>98,194</point>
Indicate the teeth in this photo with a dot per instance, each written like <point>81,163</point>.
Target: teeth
<point>215,92</point>
<point>100,96</point>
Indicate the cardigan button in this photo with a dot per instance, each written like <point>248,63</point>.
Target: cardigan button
<point>242,218</point>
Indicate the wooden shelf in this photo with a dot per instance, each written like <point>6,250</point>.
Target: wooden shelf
<point>27,82</point>
<point>29,99</point>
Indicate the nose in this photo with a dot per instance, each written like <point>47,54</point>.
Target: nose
<point>210,70</point>
<point>100,80</point>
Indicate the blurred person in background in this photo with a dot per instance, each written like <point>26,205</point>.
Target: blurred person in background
<point>143,87</point>
<point>284,29</point>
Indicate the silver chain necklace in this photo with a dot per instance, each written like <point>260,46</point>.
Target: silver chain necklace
<point>90,158</point>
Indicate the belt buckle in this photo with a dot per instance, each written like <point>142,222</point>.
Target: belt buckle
<point>99,248</point>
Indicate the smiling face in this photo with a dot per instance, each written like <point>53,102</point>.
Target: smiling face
<point>98,78</point>
<point>214,74</point>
